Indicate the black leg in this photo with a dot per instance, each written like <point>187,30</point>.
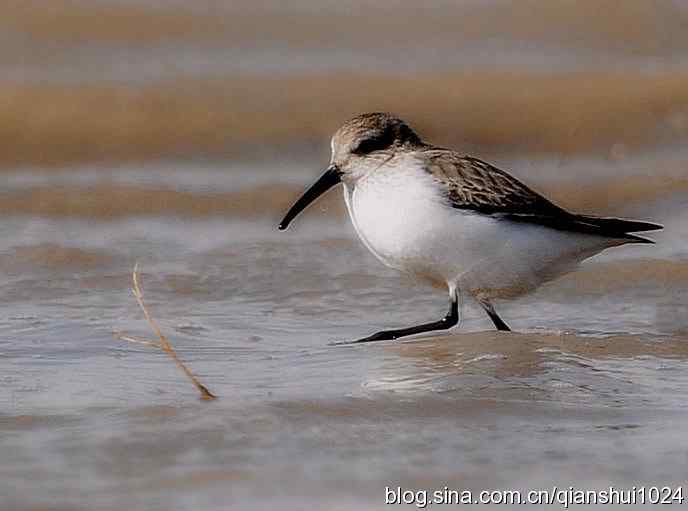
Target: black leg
<point>498,322</point>
<point>450,320</point>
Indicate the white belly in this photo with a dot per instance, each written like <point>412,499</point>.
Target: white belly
<point>405,222</point>
<point>403,219</point>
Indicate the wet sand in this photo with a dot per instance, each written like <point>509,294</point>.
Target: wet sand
<point>175,136</point>
<point>636,28</point>
<point>609,112</point>
<point>226,78</point>
<point>588,392</point>
<point>112,201</point>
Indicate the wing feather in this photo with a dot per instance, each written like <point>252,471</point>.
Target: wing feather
<point>475,185</point>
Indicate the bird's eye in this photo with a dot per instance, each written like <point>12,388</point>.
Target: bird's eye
<point>375,143</point>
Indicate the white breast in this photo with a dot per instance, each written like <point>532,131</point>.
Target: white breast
<point>403,218</point>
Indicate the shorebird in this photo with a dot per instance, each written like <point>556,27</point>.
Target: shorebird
<point>454,220</point>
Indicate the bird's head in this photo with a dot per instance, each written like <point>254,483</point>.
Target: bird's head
<point>367,140</point>
<point>360,146</point>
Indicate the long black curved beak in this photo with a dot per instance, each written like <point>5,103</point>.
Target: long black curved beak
<point>330,177</point>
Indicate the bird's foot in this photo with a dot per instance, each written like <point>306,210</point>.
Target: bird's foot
<point>379,336</point>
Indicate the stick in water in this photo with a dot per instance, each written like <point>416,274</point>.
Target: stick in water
<point>162,343</point>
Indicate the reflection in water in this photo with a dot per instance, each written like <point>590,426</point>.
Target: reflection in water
<point>565,368</point>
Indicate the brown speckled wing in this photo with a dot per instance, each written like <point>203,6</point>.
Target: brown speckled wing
<point>474,185</point>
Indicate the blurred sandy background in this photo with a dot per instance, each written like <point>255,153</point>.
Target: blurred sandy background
<point>175,133</point>
<point>87,84</point>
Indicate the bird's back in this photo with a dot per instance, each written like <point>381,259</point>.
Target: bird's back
<point>474,185</point>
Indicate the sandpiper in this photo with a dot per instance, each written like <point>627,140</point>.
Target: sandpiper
<point>454,220</point>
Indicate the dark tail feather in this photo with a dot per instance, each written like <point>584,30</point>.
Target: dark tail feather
<point>619,225</point>
<point>620,228</point>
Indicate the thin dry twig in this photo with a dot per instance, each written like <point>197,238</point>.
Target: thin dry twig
<point>163,343</point>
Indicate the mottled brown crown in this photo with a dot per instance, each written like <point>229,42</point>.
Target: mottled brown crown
<point>367,133</point>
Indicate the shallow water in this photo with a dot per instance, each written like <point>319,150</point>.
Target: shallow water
<point>175,135</point>
<point>591,392</point>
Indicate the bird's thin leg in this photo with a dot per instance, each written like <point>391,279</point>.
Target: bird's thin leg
<point>498,322</point>
<point>448,321</point>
